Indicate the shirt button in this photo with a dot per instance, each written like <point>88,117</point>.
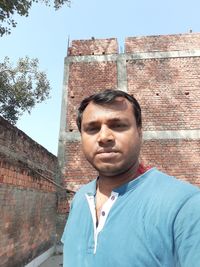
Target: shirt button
<point>103,213</point>
<point>113,198</point>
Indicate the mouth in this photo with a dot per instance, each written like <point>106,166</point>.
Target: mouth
<point>107,154</point>
<point>106,151</point>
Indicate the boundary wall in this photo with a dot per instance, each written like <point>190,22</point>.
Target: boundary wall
<point>28,198</point>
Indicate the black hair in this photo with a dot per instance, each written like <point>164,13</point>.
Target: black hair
<point>106,97</point>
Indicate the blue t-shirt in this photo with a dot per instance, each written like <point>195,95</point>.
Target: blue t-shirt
<point>152,221</point>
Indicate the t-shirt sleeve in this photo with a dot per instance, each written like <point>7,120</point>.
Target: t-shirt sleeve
<point>187,233</point>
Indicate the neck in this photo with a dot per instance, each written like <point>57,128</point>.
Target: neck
<point>106,184</point>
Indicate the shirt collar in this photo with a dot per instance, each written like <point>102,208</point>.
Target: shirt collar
<point>122,189</point>
<point>133,183</point>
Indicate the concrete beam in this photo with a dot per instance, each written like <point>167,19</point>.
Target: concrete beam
<point>71,136</point>
<point>168,54</point>
<point>147,135</point>
<point>121,73</point>
<point>92,58</point>
<point>168,135</point>
<point>133,56</point>
<point>63,118</point>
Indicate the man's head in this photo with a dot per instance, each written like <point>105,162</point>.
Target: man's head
<point>108,97</point>
<point>110,125</point>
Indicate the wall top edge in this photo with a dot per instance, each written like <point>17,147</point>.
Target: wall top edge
<point>149,43</point>
<point>10,135</point>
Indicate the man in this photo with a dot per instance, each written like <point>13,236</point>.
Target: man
<point>128,216</point>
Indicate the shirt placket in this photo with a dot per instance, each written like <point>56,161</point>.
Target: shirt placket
<point>105,210</point>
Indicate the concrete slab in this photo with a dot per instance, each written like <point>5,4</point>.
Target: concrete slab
<point>53,261</point>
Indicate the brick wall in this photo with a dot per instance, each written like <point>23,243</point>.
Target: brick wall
<point>168,91</point>
<point>28,201</point>
<point>175,42</point>
<point>163,73</point>
<point>103,75</point>
<point>77,170</point>
<point>176,157</point>
<point>93,47</point>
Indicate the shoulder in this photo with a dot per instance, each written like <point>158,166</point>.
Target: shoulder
<point>165,181</point>
<point>165,196</point>
<point>169,187</point>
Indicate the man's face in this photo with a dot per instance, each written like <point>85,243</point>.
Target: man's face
<point>110,138</point>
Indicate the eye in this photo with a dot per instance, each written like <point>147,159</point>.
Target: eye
<point>92,129</point>
<point>119,126</point>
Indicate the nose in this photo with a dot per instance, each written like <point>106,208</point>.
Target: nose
<point>105,135</point>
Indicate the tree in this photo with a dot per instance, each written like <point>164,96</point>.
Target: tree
<point>21,7</point>
<point>21,87</point>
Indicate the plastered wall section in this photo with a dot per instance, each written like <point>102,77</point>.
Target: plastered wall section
<point>28,201</point>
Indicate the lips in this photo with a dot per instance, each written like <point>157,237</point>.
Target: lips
<point>107,153</point>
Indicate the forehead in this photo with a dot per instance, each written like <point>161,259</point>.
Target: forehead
<point>120,108</point>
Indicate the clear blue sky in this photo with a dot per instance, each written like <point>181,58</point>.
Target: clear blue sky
<point>44,34</point>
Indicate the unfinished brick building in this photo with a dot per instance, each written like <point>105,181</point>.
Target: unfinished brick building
<point>163,73</point>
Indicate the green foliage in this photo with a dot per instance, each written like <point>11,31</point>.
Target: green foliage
<point>21,7</point>
<point>21,87</point>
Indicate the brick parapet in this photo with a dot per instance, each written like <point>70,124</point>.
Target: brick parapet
<point>93,47</point>
<point>175,42</point>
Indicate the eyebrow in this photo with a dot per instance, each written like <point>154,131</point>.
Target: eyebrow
<point>118,120</point>
<point>113,120</point>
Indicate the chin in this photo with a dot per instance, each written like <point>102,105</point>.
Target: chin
<point>109,171</point>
